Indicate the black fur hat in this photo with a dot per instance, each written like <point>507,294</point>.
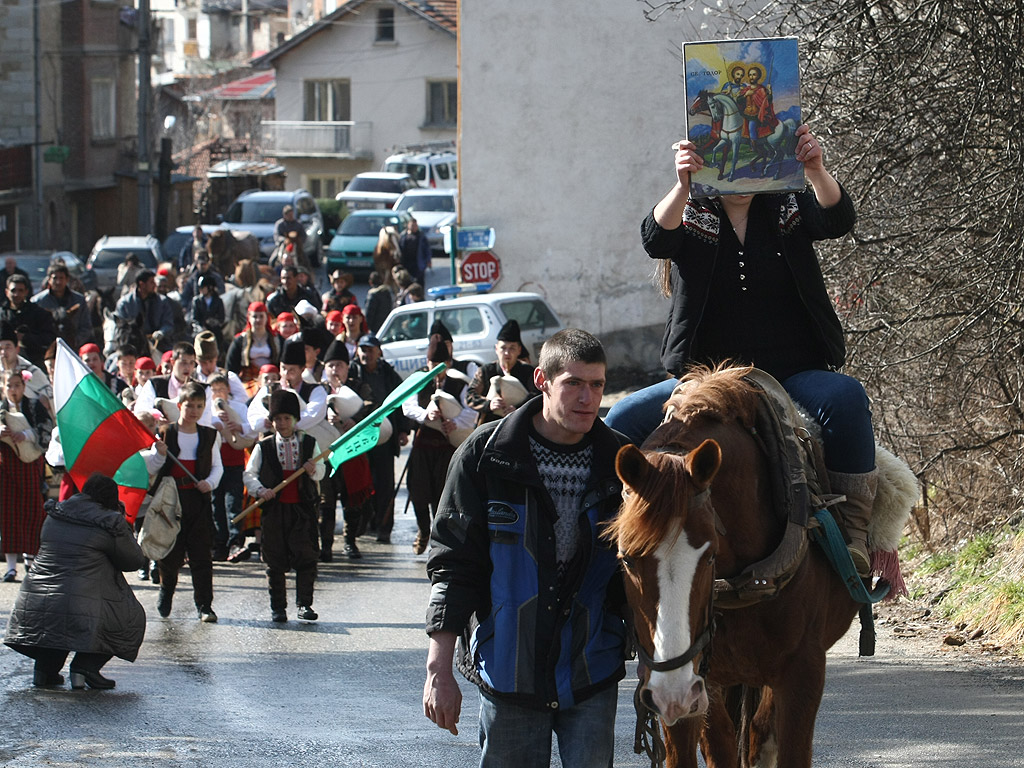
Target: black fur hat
<point>294,353</point>
<point>337,351</point>
<point>284,401</point>
<point>441,330</point>
<point>510,332</point>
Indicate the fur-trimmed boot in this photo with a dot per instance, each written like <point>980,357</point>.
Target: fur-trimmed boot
<point>859,491</point>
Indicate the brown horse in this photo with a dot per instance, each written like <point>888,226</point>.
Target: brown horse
<point>228,247</point>
<point>697,508</point>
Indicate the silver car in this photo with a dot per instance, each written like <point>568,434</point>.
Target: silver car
<point>432,209</point>
<point>110,252</point>
<point>474,322</point>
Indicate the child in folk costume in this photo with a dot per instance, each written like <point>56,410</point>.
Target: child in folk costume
<point>198,450</point>
<point>24,433</point>
<point>229,418</point>
<point>290,529</point>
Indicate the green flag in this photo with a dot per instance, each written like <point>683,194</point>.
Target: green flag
<point>363,436</point>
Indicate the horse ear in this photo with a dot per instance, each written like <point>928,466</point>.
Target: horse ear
<point>631,466</point>
<point>703,462</point>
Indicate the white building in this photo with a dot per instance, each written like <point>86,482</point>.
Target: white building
<point>207,36</point>
<point>568,115</point>
<point>369,77</point>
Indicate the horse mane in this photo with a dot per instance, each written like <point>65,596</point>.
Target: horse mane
<point>641,524</point>
<point>718,393</point>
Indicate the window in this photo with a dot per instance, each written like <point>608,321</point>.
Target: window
<point>442,103</point>
<point>104,104</point>
<point>405,327</point>
<point>325,186</point>
<point>532,315</point>
<point>461,321</point>
<point>193,29</point>
<point>385,25</point>
<point>327,100</point>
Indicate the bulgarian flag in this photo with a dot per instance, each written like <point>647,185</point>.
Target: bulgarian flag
<point>97,433</point>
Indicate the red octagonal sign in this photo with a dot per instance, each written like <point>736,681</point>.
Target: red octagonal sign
<point>480,267</point>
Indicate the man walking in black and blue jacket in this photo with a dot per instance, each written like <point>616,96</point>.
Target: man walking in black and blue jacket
<point>520,572</point>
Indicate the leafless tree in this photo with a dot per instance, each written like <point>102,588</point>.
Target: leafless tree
<point>919,107</point>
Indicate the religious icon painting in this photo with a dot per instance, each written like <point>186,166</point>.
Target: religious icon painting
<point>742,112</point>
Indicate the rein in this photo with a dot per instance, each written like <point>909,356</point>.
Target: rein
<point>647,736</point>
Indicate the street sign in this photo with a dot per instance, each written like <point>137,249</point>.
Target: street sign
<point>56,154</point>
<point>480,267</point>
<point>475,238</point>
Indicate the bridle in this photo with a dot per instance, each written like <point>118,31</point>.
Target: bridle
<point>647,737</point>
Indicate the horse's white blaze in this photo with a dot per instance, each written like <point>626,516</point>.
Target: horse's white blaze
<point>674,691</point>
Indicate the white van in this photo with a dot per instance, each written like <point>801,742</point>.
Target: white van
<point>437,170</point>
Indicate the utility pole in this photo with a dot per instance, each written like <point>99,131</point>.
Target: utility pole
<point>37,149</point>
<point>144,175</point>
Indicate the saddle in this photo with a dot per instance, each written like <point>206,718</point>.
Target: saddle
<point>800,488</point>
<point>798,485</point>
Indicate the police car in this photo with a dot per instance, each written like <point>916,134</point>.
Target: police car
<point>474,318</point>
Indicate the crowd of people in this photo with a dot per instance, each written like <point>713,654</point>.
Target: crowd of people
<point>236,406</point>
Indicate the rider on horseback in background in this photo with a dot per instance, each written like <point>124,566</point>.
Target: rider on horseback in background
<point>746,286</point>
<point>143,316</point>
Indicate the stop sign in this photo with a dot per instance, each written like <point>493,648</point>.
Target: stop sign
<point>480,267</point>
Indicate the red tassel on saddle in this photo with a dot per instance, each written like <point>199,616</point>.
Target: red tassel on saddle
<point>887,566</point>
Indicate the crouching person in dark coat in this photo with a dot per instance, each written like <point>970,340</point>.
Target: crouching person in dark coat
<point>291,531</point>
<point>75,598</point>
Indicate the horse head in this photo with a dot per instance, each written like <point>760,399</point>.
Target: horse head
<point>667,541</point>
<point>700,103</point>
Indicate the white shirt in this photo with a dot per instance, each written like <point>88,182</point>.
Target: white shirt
<point>251,476</point>
<point>187,447</point>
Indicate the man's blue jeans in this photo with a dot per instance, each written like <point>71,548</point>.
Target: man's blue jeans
<point>836,401</point>
<point>512,736</point>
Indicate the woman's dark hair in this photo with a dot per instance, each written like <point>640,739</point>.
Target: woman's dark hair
<point>102,490</point>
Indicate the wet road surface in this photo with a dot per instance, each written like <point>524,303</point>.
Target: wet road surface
<point>346,690</point>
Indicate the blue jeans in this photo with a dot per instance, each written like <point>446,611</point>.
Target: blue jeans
<point>512,736</point>
<point>836,401</point>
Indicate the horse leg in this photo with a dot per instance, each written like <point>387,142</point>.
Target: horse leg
<point>762,738</point>
<point>725,159</point>
<point>718,739</point>
<point>681,744</point>
<point>796,708</point>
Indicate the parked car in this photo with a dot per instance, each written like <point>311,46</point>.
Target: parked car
<point>375,190</point>
<point>436,170</point>
<point>110,252</point>
<point>352,246</point>
<point>257,211</point>
<point>432,209</point>
<point>474,322</point>
<point>35,263</point>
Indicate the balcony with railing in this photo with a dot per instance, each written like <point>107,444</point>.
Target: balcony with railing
<point>306,138</point>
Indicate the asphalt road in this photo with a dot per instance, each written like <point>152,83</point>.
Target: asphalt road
<point>346,690</point>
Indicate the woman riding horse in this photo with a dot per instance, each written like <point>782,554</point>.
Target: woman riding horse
<point>746,286</point>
